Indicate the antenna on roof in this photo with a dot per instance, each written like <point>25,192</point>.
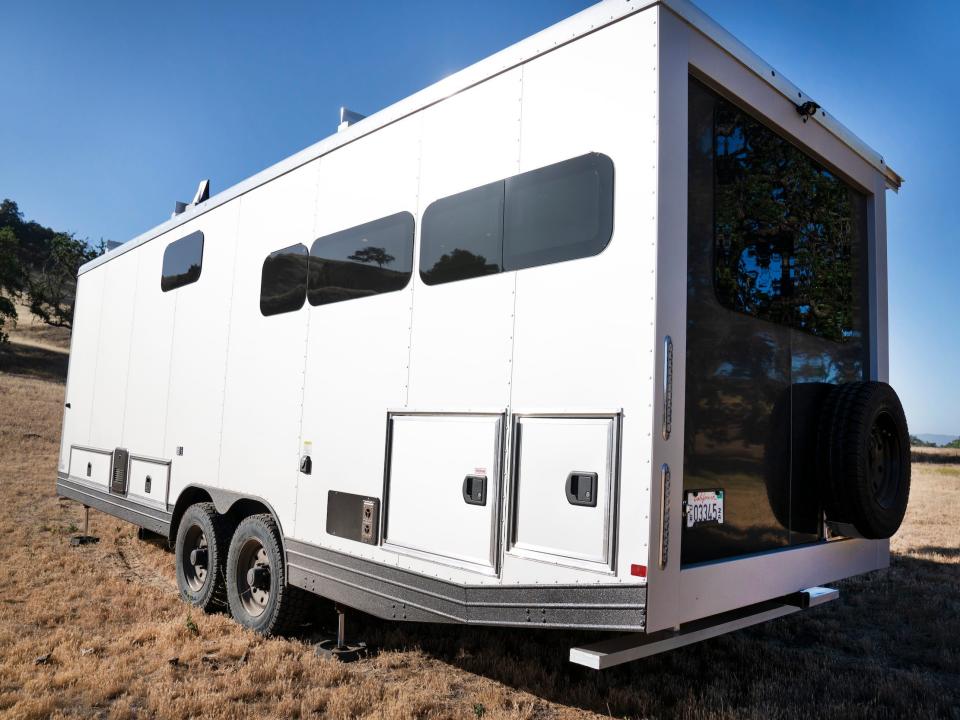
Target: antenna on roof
<point>203,193</point>
<point>348,118</point>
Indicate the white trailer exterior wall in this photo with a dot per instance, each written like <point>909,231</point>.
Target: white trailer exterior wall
<point>217,400</point>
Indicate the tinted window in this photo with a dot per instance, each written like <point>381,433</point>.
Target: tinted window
<point>787,233</point>
<point>372,258</point>
<point>283,283</point>
<point>561,212</point>
<point>462,235</point>
<point>182,261</point>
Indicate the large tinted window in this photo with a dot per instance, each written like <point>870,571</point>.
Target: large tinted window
<point>283,282</point>
<point>462,235</point>
<point>372,258</point>
<point>182,262</point>
<point>787,232</point>
<point>561,212</point>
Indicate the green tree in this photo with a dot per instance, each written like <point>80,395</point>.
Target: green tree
<point>51,286</point>
<point>917,442</point>
<point>11,278</point>
<point>953,443</point>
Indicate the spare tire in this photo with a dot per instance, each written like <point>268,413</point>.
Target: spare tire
<point>863,448</point>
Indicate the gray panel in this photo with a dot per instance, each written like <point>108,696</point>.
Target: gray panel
<point>393,593</point>
<point>150,518</point>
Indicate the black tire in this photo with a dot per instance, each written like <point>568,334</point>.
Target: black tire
<point>257,588</point>
<point>201,554</point>
<point>864,456</point>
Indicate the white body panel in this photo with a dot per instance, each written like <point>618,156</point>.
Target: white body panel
<point>397,397</point>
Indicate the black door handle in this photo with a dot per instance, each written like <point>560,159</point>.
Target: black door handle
<point>582,488</point>
<point>475,489</point>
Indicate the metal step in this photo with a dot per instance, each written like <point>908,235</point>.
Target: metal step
<point>619,650</point>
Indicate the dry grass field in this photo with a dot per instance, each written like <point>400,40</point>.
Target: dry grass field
<point>99,631</point>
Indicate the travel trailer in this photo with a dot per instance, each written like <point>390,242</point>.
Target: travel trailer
<point>591,334</point>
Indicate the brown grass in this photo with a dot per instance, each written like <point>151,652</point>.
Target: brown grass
<point>108,622</point>
<point>936,455</point>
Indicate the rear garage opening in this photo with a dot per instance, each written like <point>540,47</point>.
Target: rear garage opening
<point>776,315</point>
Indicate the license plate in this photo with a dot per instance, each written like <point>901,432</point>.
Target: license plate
<point>704,507</point>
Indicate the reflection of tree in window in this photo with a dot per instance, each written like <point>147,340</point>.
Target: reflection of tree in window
<point>365,260</point>
<point>459,264</point>
<point>372,255</point>
<point>784,231</point>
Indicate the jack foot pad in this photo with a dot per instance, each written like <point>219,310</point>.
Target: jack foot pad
<point>78,540</point>
<point>348,652</point>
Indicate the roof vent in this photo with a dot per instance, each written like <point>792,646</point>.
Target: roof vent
<point>203,193</point>
<point>348,118</point>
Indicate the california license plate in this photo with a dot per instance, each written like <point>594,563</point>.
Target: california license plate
<point>704,507</point>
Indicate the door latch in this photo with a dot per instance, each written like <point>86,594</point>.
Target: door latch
<point>475,489</point>
<point>582,488</point>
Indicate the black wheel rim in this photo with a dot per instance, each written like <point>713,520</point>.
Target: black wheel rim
<point>253,577</point>
<point>195,557</point>
<point>885,458</point>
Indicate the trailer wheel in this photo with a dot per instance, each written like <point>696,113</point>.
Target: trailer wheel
<point>257,588</point>
<point>201,552</point>
<point>864,453</point>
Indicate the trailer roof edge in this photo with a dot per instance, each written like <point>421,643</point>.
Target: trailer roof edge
<point>583,23</point>
<point>703,23</point>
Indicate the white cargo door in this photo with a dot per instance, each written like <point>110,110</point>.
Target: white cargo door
<point>443,487</point>
<point>563,490</point>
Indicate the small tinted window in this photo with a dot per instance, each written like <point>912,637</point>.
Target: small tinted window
<point>283,283</point>
<point>182,261</point>
<point>560,212</point>
<point>462,236</point>
<point>368,259</point>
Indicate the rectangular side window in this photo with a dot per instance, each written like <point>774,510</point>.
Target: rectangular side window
<point>283,282</point>
<point>560,212</point>
<point>182,262</point>
<point>462,236</point>
<point>373,258</point>
<point>788,234</point>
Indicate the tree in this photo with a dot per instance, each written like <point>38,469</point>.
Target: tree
<point>40,264</point>
<point>51,287</point>
<point>372,255</point>
<point>917,442</point>
<point>953,443</point>
<point>11,276</point>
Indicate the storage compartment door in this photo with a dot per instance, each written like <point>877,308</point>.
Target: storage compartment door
<point>91,465</point>
<point>564,490</point>
<point>149,480</point>
<point>443,487</point>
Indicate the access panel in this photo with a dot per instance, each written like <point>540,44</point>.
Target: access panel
<point>443,487</point>
<point>563,490</point>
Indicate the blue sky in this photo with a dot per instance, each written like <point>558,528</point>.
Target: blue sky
<point>115,110</point>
